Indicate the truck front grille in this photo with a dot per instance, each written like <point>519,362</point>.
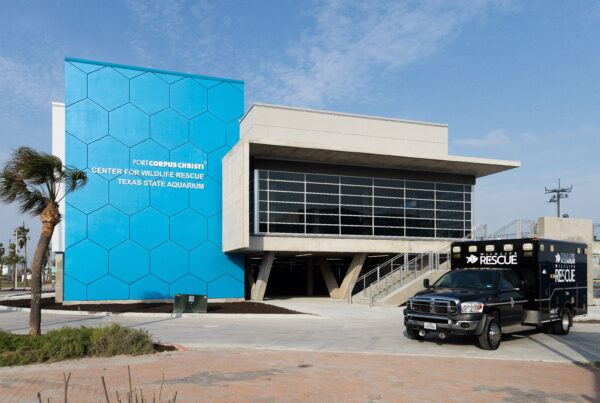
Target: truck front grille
<point>438,306</point>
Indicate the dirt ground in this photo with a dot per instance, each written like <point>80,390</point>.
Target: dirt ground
<point>256,375</point>
<point>213,307</point>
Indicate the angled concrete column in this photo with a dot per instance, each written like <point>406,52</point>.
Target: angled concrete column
<point>250,280</point>
<point>330,281</point>
<point>309,277</point>
<point>258,291</point>
<point>59,277</point>
<point>351,275</point>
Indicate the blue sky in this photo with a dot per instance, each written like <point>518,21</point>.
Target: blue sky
<point>514,80</point>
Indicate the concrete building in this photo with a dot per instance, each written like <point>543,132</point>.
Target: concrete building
<point>189,195</point>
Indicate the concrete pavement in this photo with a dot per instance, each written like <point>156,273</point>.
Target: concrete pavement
<point>336,326</point>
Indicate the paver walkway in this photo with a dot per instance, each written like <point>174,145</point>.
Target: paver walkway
<point>238,375</point>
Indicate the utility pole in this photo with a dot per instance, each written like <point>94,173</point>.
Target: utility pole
<point>557,194</point>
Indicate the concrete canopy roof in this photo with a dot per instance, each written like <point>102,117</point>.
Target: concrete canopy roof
<point>477,167</point>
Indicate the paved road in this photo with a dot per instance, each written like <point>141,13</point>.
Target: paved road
<point>334,326</point>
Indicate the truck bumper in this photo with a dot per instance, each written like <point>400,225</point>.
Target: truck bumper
<point>468,324</point>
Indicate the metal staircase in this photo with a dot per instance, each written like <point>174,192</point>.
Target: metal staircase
<point>378,284</point>
<point>389,276</point>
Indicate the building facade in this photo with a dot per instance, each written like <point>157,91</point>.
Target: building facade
<point>186,194</point>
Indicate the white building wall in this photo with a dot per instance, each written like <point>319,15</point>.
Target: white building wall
<point>58,149</point>
<point>355,132</point>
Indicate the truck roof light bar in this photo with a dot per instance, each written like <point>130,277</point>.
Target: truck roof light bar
<point>508,247</point>
<point>472,248</point>
<point>456,249</point>
<point>489,248</point>
<point>528,246</point>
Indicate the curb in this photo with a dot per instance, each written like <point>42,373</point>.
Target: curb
<point>169,315</point>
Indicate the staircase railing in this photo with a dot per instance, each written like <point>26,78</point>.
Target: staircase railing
<point>515,229</point>
<point>379,280</point>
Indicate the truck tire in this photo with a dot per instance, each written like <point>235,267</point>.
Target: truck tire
<point>412,334</point>
<point>563,325</point>
<point>491,336</point>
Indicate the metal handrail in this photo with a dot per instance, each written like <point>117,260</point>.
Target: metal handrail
<point>503,232</point>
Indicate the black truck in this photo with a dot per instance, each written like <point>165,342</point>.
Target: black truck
<point>499,286</point>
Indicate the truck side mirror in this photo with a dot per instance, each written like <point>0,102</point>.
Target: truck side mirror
<point>426,283</point>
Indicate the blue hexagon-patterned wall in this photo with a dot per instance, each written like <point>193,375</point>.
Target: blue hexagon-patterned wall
<point>148,223</point>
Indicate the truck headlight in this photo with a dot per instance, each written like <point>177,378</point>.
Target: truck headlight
<point>471,307</point>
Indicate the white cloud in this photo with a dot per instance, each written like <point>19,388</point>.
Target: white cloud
<point>495,138</point>
<point>354,43</point>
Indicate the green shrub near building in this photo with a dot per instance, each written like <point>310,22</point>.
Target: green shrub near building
<point>69,343</point>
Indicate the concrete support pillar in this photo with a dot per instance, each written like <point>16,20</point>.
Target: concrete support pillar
<point>59,277</point>
<point>310,275</point>
<point>330,281</point>
<point>351,275</point>
<point>250,279</point>
<point>258,291</point>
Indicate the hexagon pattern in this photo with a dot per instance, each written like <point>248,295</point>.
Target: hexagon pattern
<point>188,97</point>
<point>188,229</point>
<point>129,125</point>
<point>208,132</point>
<point>134,234</point>
<point>169,129</point>
<point>108,88</point>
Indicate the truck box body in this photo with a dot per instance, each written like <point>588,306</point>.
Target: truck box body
<point>555,271</point>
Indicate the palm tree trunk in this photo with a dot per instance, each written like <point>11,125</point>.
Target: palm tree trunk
<point>49,217</point>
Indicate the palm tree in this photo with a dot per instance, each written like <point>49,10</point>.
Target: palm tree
<point>11,260</point>
<point>34,179</point>
<point>22,238</point>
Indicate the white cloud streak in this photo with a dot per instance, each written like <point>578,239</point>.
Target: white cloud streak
<point>496,138</point>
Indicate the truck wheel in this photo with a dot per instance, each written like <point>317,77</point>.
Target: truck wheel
<point>563,326</point>
<point>412,334</point>
<point>490,338</point>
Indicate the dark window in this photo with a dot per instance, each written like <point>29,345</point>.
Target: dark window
<point>263,195</point>
<point>322,219</point>
<point>286,228</point>
<point>441,205</point>
<point>419,194</point>
<point>419,185</point>
<point>419,223</point>
<point>286,207</point>
<point>389,231</point>
<point>356,220</point>
<point>356,190</point>
<point>389,222</point>
<point>322,198</point>
<point>322,178</point>
<point>351,180</point>
<point>321,188</point>
<point>450,224</point>
<point>286,217</point>
<point>389,212</point>
<point>389,192</point>
<point>263,174</point>
<point>392,183</point>
<point>262,184</point>
<point>322,229</point>
<point>287,186</point>
<point>285,196</point>
<point>468,197</point>
<point>449,196</point>
<point>428,204</point>
<point>356,230</point>
<point>449,187</point>
<point>384,202</point>
<point>424,233</point>
<point>356,210</point>
<point>321,209</point>
<point>449,215</point>
<point>358,200</point>
<point>419,213</point>
<point>286,176</point>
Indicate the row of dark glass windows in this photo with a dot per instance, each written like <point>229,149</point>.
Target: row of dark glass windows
<point>360,181</point>
<point>363,201</point>
<point>369,221</point>
<point>363,211</point>
<point>361,191</point>
<point>355,230</point>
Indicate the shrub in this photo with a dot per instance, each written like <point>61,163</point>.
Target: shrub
<point>68,343</point>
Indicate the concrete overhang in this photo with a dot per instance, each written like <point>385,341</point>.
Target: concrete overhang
<point>343,155</point>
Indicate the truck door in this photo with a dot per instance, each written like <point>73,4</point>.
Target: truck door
<point>512,298</point>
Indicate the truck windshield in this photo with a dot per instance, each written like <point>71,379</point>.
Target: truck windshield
<point>478,279</point>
